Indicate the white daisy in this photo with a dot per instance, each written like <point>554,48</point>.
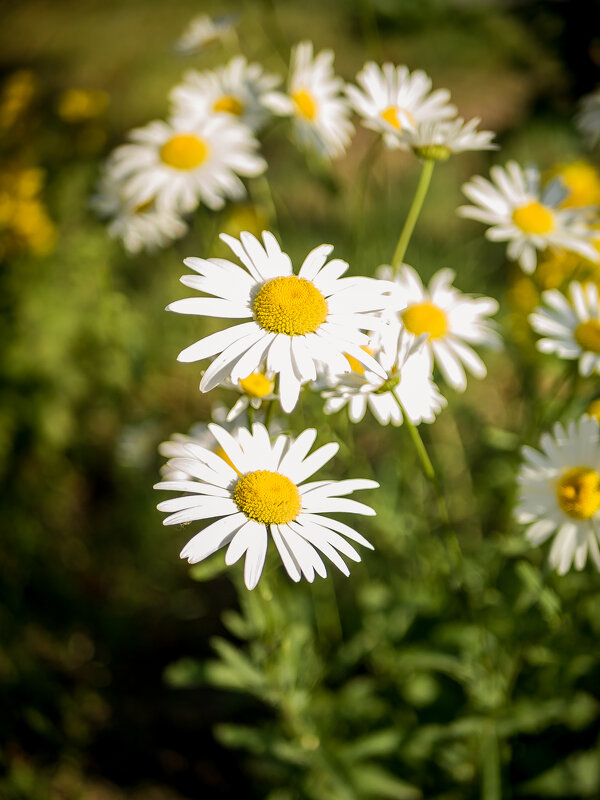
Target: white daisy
<point>450,319</point>
<point>407,389</point>
<point>571,326</point>
<point>261,490</point>
<point>560,492</point>
<point>588,118</point>
<point>439,139</point>
<point>298,321</point>
<point>203,31</point>
<point>320,113</point>
<point>521,215</point>
<point>138,226</point>
<point>255,389</point>
<point>394,100</point>
<point>235,89</point>
<point>176,165</point>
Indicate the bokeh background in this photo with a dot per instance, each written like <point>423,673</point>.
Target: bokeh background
<point>109,688</point>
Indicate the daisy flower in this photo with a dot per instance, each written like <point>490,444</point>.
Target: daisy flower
<point>235,89</point>
<point>254,390</point>
<point>526,218</point>
<point>560,494</point>
<point>138,226</point>
<point>177,164</point>
<point>320,113</point>
<point>571,327</point>
<point>259,493</point>
<point>391,100</point>
<point>203,31</point>
<point>451,320</point>
<point>407,389</point>
<point>588,119</point>
<point>439,139</point>
<point>297,321</point>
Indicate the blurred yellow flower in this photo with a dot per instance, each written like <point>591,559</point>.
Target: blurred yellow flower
<point>24,221</point>
<point>79,105</point>
<point>245,218</point>
<point>582,180</point>
<point>594,409</point>
<point>17,93</point>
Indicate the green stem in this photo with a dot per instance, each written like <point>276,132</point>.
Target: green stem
<point>428,468</point>
<point>491,780</point>
<point>413,213</point>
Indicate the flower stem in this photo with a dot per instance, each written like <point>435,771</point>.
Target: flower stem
<point>428,469</point>
<point>413,213</point>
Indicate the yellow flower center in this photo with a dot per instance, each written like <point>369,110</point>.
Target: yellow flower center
<point>184,151</point>
<point>256,385</point>
<point>355,364</point>
<point>578,492</point>
<point>425,318</point>
<point>290,305</point>
<point>534,218</point>
<point>594,409</point>
<point>587,335</point>
<point>229,105</point>
<point>390,115</point>
<point>219,451</point>
<point>267,497</point>
<point>305,103</point>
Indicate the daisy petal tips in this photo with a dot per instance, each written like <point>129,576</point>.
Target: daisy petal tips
<point>259,493</point>
<point>297,322</point>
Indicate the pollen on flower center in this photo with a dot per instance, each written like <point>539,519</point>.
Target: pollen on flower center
<point>587,335</point>
<point>390,115</point>
<point>267,497</point>
<point>184,151</point>
<point>534,218</point>
<point>256,385</point>
<point>305,103</point>
<point>578,492</point>
<point>229,105</point>
<point>425,318</point>
<point>290,305</point>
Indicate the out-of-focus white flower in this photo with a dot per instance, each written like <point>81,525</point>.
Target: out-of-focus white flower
<point>257,492</point>
<point>393,101</point>
<point>177,165</point>
<point>407,389</point>
<point>571,327</point>
<point>139,226</point>
<point>588,118</point>
<point>203,31</point>
<point>560,494</point>
<point>235,89</point>
<point>320,113</point>
<point>297,321</point>
<point>451,321</point>
<point>525,217</point>
<point>439,139</point>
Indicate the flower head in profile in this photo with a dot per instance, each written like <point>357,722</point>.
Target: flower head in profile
<point>407,390</point>
<point>254,390</point>
<point>203,31</point>
<point>236,90</point>
<point>588,118</point>
<point>451,320</point>
<point>259,493</point>
<point>393,101</point>
<point>176,164</point>
<point>138,226</point>
<point>527,218</point>
<point>439,139</point>
<point>571,326</point>
<point>297,322</point>
<point>320,114</point>
<point>560,494</point>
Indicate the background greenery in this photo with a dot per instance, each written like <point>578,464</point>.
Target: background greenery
<point>417,677</point>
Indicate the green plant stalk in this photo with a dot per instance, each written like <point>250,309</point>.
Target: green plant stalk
<point>491,780</point>
<point>413,212</point>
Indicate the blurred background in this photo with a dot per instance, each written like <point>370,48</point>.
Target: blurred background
<point>109,688</point>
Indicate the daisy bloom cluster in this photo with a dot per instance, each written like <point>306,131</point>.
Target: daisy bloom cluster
<point>315,103</point>
<point>571,325</point>
<point>401,106</point>
<point>560,494</point>
<point>527,218</point>
<point>257,492</point>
